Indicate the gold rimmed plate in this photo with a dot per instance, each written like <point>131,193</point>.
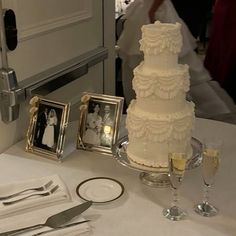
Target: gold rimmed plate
<point>100,189</point>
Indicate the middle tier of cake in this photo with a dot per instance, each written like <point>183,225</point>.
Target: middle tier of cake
<point>162,91</point>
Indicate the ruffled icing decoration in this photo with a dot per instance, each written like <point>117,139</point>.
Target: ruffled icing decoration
<point>161,38</point>
<point>175,126</point>
<point>165,85</point>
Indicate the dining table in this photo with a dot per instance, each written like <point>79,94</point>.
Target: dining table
<point>138,211</point>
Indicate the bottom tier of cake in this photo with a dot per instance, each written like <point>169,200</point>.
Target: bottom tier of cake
<point>153,136</point>
<point>154,154</point>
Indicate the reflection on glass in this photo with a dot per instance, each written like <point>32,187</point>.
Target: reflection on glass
<point>106,137</point>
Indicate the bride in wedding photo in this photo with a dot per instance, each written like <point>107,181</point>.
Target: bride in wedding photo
<point>49,133</point>
<point>93,126</point>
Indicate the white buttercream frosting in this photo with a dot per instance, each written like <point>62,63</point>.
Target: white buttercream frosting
<point>160,37</point>
<point>160,120</point>
<point>159,127</point>
<point>165,84</point>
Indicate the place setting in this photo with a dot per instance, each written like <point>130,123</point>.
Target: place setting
<point>44,206</point>
<point>33,208</point>
<point>23,196</point>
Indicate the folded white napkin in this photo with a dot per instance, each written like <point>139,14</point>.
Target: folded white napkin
<point>32,203</point>
<point>40,216</point>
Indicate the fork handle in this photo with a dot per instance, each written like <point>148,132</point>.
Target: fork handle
<point>21,230</point>
<point>16,194</point>
<point>23,198</point>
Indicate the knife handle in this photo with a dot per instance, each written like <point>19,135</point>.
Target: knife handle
<point>21,230</point>
<point>61,227</point>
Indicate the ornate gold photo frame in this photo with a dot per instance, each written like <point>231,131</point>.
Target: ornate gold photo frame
<point>46,131</point>
<point>99,122</point>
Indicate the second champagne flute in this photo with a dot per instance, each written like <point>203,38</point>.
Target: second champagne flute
<point>210,165</point>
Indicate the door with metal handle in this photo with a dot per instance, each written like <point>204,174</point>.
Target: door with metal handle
<point>8,82</point>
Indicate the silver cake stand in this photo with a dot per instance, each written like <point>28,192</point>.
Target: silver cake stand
<point>154,176</point>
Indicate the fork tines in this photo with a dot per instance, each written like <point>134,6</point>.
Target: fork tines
<point>41,194</point>
<point>40,188</point>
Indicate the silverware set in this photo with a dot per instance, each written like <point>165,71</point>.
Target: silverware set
<point>55,222</point>
<point>40,191</point>
<point>47,193</point>
<point>61,227</point>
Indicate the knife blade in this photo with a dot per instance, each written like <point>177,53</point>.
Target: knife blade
<point>54,221</point>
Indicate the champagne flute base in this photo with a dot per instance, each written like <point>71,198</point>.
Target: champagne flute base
<point>174,213</point>
<point>206,209</point>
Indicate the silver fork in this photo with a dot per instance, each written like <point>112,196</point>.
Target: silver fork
<point>41,188</point>
<point>51,191</point>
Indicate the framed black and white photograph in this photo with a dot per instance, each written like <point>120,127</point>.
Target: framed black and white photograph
<point>46,132</point>
<point>99,122</point>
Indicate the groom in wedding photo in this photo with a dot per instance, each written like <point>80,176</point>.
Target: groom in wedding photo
<point>40,127</point>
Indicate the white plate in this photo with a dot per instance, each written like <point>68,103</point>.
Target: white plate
<point>100,189</point>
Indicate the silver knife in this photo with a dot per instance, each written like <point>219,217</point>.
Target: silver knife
<point>54,221</point>
<point>61,227</point>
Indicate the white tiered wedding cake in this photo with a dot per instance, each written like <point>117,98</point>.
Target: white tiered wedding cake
<point>160,120</point>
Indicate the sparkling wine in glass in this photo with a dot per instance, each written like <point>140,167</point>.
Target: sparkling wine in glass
<point>210,165</point>
<point>177,165</point>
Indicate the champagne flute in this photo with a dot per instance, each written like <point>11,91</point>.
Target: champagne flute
<point>210,165</point>
<point>177,165</point>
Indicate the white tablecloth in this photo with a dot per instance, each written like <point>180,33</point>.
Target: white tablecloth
<point>139,210</point>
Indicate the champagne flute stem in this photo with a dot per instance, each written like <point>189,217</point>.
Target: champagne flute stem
<point>206,194</point>
<point>175,198</point>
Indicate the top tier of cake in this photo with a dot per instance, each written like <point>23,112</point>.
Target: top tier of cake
<point>161,43</point>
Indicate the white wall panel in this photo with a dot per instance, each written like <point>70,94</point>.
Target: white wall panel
<point>52,32</point>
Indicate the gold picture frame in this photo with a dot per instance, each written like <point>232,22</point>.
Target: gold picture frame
<point>99,122</point>
<point>46,131</point>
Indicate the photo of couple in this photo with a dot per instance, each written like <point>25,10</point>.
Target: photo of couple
<point>99,125</point>
<point>47,127</point>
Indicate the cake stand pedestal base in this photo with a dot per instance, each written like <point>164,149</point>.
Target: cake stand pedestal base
<point>160,180</point>
<point>153,176</point>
